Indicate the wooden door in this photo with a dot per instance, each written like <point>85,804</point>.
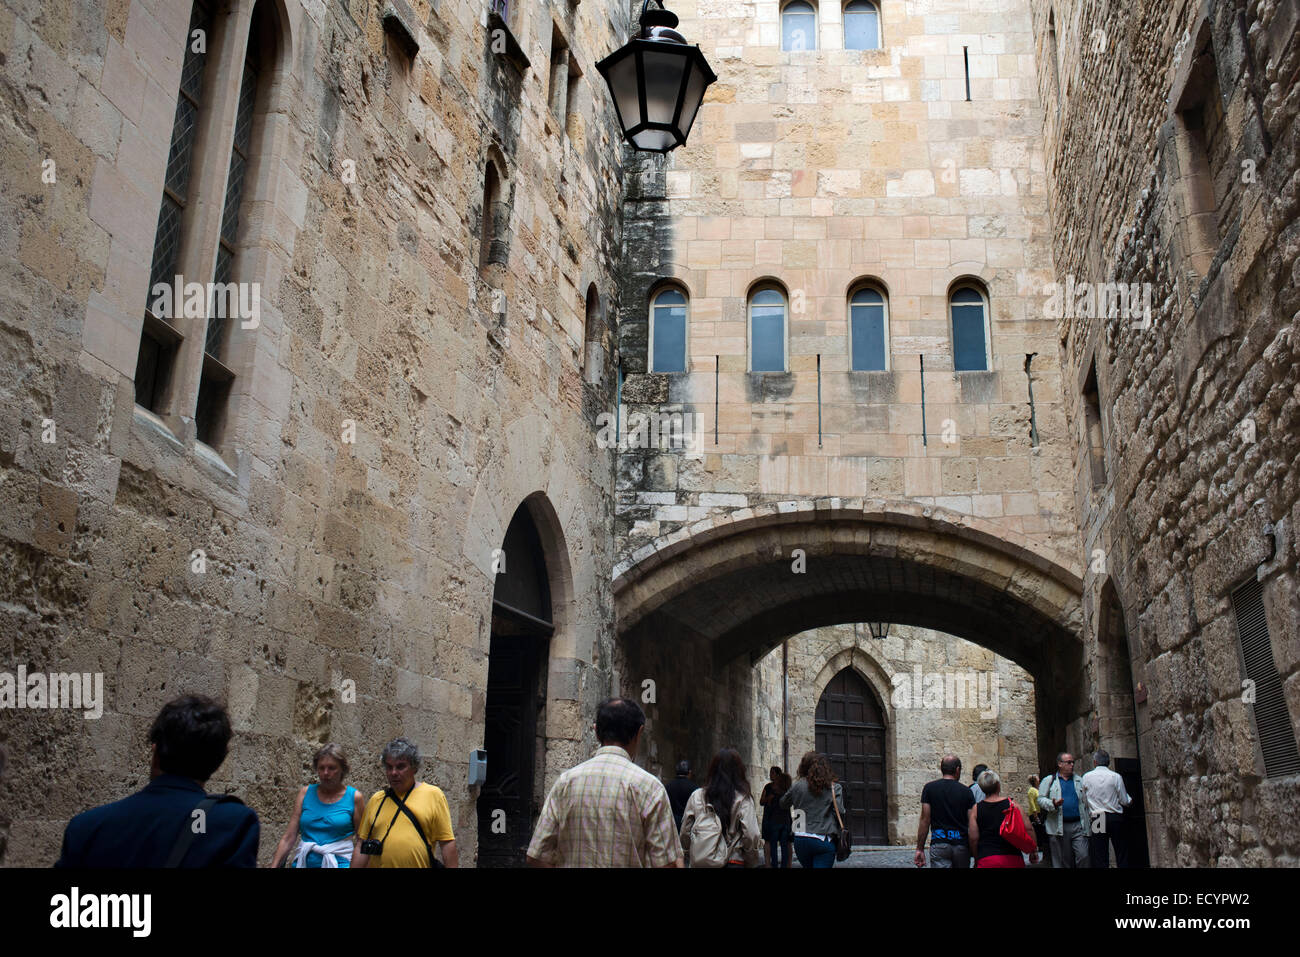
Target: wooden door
<point>850,731</point>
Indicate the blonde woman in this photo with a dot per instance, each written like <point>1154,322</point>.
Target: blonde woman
<point>325,816</point>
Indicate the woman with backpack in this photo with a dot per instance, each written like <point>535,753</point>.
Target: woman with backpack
<point>819,797</point>
<point>993,824</point>
<point>719,825</point>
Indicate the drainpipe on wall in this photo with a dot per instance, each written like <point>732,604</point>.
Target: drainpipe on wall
<point>785,703</point>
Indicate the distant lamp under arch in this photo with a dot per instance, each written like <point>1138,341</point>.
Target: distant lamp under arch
<point>879,629</point>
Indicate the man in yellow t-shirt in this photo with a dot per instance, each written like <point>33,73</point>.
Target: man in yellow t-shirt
<point>384,821</point>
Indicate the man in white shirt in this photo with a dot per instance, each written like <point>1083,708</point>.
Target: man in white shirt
<point>1107,799</point>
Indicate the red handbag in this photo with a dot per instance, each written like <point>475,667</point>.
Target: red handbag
<point>1013,829</point>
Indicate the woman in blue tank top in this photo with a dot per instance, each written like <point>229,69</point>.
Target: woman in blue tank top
<point>325,817</point>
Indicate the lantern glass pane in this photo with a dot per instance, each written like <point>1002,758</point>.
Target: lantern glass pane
<point>663,82</point>
<point>695,86</point>
<point>657,140</point>
<point>622,82</point>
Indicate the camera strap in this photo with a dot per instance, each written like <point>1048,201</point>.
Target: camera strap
<point>433,861</point>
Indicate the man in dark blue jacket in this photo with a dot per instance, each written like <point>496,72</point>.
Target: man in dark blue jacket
<point>171,822</point>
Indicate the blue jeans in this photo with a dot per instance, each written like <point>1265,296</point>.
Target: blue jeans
<point>814,852</point>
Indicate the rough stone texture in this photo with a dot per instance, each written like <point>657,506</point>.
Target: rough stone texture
<point>1201,435</point>
<point>326,561</point>
<point>1003,737</point>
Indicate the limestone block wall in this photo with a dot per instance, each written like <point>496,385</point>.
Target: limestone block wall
<point>330,566</point>
<point>917,733</point>
<point>817,169</point>
<point>1172,150</point>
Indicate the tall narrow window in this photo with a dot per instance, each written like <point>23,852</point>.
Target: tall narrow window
<point>1054,56</point>
<point>798,26</point>
<point>491,248</point>
<point>767,331</point>
<point>558,97</point>
<point>868,331</point>
<point>215,378</point>
<point>668,332</point>
<point>1095,437</point>
<point>969,330</point>
<point>861,26</point>
<point>160,339</point>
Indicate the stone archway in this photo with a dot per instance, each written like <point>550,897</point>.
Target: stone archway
<point>696,608</point>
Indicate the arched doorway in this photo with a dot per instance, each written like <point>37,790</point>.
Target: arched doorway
<point>850,731</point>
<point>516,694</point>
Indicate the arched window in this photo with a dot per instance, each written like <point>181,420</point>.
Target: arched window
<point>969,309</point>
<point>868,331</point>
<point>668,331</point>
<point>492,249</point>
<point>767,330</point>
<point>798,26</point>
<point>861,25</point>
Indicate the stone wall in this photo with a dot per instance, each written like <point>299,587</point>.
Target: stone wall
<point>1172,156</point>
<point>917,732</point>
<point>819,169</point>
<point>328,565</point>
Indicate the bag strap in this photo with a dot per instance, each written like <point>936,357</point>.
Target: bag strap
<point>433,861</point>
<point>836,805</point>
<point>187,834</point>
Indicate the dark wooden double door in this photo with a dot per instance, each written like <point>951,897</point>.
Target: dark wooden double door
<point>850,731</point>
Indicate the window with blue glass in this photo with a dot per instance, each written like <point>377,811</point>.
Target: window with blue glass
<point>798,26</point>
<point>969,330</point>
<point>861,26</point>
<point>668,331</point>
<point>767,331</point>
<point>868,331</point>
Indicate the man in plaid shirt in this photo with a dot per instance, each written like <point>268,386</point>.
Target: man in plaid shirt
<point>607,811</point>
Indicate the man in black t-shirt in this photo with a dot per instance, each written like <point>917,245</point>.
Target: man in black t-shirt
<point>945,809</point>
<point>680,790</point>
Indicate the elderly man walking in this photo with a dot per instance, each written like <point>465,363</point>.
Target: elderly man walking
<point>1063,799</point>
<point>607,811</point>
<point>402,822</point>
<point>1107,798</point>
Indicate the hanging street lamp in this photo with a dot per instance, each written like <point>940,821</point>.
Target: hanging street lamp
<point>657,82</point>
<point>879,629</point>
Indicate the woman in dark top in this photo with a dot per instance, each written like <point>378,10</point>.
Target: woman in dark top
<point>776,819</point>
<point>987,845</point>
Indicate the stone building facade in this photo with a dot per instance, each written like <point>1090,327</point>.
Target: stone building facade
<point>918,485</point>
<point>937,693</point>
<point>300,515</point>
<point>1172,148</point>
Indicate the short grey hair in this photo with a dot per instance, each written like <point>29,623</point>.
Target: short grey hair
<point>401,748</point>
<point>1102,758</point>
<point>990,783</point>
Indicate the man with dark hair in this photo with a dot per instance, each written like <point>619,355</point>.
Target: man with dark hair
<point>171,822</point>
<point>680,790</point>
<point>976,791</point>
<point>607,811</point>
<point>945,809</point>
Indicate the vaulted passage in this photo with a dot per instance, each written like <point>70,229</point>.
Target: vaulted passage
<point>696,610</point>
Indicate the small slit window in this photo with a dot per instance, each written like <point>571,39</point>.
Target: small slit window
<point>668,331</point>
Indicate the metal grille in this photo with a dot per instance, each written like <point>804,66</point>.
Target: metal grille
<point>167,237</point>
<point>166,245</point>
<point>216,321</point>
<point>234,196</point>
<point>234,189</point>
<point>1277,739</point>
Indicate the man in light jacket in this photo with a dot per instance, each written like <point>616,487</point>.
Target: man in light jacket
<point>1063,799</point>
<point>1107,798</point>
